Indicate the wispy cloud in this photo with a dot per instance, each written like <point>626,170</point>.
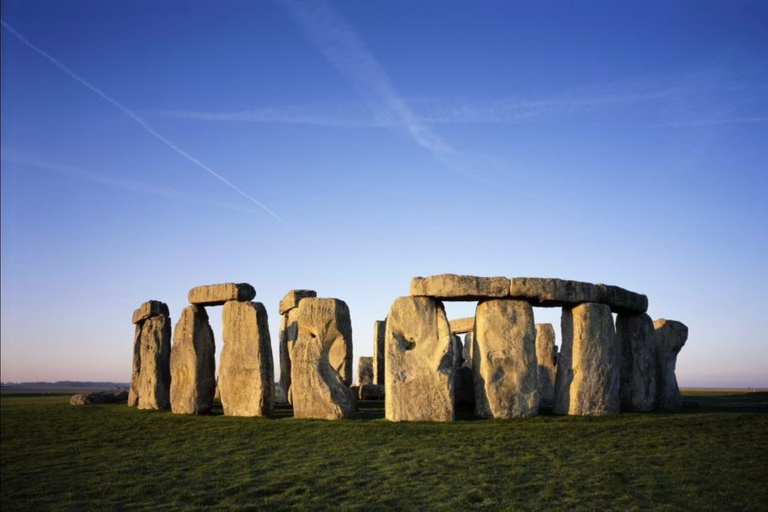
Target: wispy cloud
<point>132,115</point>
<point>10,156</point>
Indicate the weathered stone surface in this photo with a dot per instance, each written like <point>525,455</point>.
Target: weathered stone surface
<point>504,365</point>
<point>317,388</point>
<point>364,370</point>
<point>546,353</point>
<point>133,391</point>
<point>289,332</point>
<point>545,292</point>
<point>636,340</point>
<point>246,370</point>
<point>463,325</point>
<point>587,381</point>
<point>99,397</point>
<point>457,347</point>
<point>149,309</point>
<point>379,337</point>
<point>670,338</point>
<point>193,363</point>
<point>154,377</point>
<point>292,298</point>
<point>370,392</point>
<point>419,362</point>
<point>466,351</point>
<point>218,294</point>
<point>455,287</point>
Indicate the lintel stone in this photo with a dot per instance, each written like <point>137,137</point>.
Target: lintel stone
<point>292,298</point>
<point>218,294</point>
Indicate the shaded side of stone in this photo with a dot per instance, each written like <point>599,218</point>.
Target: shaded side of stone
<point>636,339</point>
<point>289,332</point>
<point>364,371</point>
<point>670,339</point>
<point>133,391</point>
<point>419,362</point>
<point>546,354</point>
<point>292,298</point>
<point>154,374</point>
<point>379,337</point>
<point>193,363</point>
<point>149,309</point>
<point>246,370</point>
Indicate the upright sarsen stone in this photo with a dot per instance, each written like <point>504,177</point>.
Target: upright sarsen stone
<point>154,375</point>
<point>670,338</point>
<point>246,370</point>
<point>546,354</point>
<point>317,387</point>
<point>504,360</point>
<point>133,391</point>
<point>147,383</point>
<point>379,336</point>
<point>364,371</point>
<point>419,383</point>
<point>636,340</point>
<point>587,381</point>
<point>287,336</point>
<point>193,363</point>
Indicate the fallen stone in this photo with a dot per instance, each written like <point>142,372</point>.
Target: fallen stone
<point>587,381</point>
<point>318,389</point>
<point>100,397</point>
<point>379,336</point>
<point>364,371</point>
<point>292,298</point>
<point>154,379</point>
<point>636,340</point>
<point>246,371</point>
<point>546,354</point>
<point>289,332</point>
<point>193,363</point>
<point>370,392</point>
<point>462,325</point>
<point>419,362</point>
<point>453,287</point>
<point>218,294</point>
<point>504,367</point>
<point>670,339</point>
<point>149,309</point>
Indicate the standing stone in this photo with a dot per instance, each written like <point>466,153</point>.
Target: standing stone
<point>379,337</point>
<point>587,381</point>
<point>670,338</point>
<point>457,347</point>
<point>466,351</point>
<point>193,363</point>
<point>154,375</point>
<point>288,333</point>
<point>133,392</point>
<point>246,370</point>
<point>419,362</point>
<point>546,353</point>
<point>318,389</point>
<point>364,371</point>
<point>504,367</point>
<point>636,340</point>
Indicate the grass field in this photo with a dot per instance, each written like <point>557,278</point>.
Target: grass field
<point>111,457</point>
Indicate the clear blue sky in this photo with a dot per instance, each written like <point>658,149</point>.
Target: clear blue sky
<point>149,147</point>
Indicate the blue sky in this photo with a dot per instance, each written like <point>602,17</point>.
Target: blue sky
<point>347,146</point>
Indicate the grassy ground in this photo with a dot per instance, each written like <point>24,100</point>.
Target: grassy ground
<point>112,457</point>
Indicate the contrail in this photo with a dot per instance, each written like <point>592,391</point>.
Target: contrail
<point>139,120</point>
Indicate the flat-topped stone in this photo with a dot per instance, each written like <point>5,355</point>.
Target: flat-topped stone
<point>546,292</point>
<point>218,294</point>
<point>455,287</point>
<point>462,325</point>
<point>292,298</point>
<point>149,309</point>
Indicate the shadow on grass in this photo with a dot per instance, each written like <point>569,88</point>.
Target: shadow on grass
<point>754,402</point>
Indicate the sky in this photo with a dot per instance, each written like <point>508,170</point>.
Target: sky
<point>345,147</point>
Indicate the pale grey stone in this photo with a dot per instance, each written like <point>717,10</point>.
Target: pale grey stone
<point>636,339</point>
<point>546,292</point>
<point>588,374</point>
<point>457,349</point>
<point>364,371</point>
<point>419,362</point>
<point>379,337</point>
<point>193,363</point>
<point>289,332</point>
<point>218,294</point>
<point>670,339</point>
<point>546,354</point>
<point>246,370</point>
<point>451,287</point>
<point>466,351</point>
<point>133,391</point>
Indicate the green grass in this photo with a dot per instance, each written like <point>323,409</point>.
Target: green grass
<point>112,457</point>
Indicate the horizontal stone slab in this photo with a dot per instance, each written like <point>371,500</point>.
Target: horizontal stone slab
<point>462,325</point>
<point>292,298</point>
<point>623,301</point>
<point>218,294</point>
<point>451,287</point>
<point>545,292</point>
<point>149,309</point>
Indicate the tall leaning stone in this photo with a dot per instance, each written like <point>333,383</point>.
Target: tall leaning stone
<point>587,381</point>
<point>419,382</point>
<point>504,365</point>
<point>379,337</point>
<point>636,340</point>
<point>670,338</point>
<point>154,374</point>
<point>193,363</point>
<point>246,370</point>
<point>546,354</point>
<point>318,389</point>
